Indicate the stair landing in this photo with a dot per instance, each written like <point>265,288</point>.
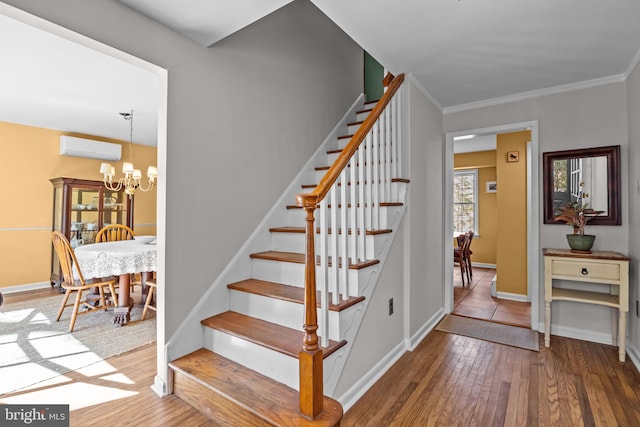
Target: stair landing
<point>232,395</point>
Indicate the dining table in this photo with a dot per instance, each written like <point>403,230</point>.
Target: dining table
<point>122,259</point>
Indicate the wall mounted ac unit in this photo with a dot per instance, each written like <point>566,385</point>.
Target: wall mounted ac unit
<point>82,147</point>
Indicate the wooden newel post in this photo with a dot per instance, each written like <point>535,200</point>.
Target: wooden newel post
<point>311,376</point>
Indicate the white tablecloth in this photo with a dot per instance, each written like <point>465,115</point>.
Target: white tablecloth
<point>115,258</point>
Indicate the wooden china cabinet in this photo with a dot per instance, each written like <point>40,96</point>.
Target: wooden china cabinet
<point>81,208</point>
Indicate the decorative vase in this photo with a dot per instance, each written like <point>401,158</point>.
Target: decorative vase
<point>581,243</point>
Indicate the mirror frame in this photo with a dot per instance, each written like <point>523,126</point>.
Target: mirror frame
<point>614,208</point>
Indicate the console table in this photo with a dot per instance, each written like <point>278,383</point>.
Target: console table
<point>609,268</point>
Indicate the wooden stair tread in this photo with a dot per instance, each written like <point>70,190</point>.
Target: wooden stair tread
<point>267,334</point>
<point>339,184</point>
<point>385,204</point>
<point>287,293</point>
<point>299,258</point>
<point>268,401</point>
<point>302,230</point>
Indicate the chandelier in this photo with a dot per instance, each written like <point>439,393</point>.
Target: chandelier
<point>132,179</point>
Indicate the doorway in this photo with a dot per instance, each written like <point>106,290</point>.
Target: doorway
<point>532,215</point>
<point>162,76</point>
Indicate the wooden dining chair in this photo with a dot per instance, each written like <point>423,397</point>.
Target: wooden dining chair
<point>114,233</point>
<point>458,254</point>
<point>70,284</point>
<point>467,256</point>
<point>147,304</point>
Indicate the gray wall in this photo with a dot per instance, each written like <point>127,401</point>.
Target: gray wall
<point>579,119</point>
<point>248,111</point>
<point>633,94</point>
<point>425,210</point>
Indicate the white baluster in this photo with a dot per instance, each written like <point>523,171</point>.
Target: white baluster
<point>375,203</point>
<point>333,239</point>
<point>361,203</point>
<point>387,155</point>
<point>321,284</point>
<point>343,236</point>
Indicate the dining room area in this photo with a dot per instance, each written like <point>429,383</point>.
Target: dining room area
<point>64,210</point>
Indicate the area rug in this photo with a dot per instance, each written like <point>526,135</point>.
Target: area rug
<point>490,331</point>
<point>35,348</point>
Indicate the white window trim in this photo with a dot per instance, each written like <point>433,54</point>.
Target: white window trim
<point>476,222</point>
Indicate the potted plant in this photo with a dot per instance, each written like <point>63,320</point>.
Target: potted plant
<point>577,215</point>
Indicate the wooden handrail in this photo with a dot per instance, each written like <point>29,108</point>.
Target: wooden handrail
<point>311,357</point>
<point>325,184</point>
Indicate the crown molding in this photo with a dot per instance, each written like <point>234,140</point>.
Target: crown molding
<point>587,84</point>
<point>632,65</point>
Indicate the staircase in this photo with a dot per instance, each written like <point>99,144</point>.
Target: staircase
<point>257,366</point>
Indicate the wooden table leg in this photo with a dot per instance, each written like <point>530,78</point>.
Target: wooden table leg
<point>622,336</point>
<point>547,323</point>
<point>123,311</point>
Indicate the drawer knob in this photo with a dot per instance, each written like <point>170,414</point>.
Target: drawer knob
<point>585,271</point>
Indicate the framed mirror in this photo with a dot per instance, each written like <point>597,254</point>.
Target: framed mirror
<point>591,175</point>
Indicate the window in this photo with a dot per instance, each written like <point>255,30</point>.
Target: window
<point>465,201</point>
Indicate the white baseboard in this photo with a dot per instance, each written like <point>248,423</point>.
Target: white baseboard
<point>633,354</point>
<point>512,297</point>
<point>425,329</point>
<point>482,265</point>
<point>348,399</point>
<point>351,396</point>
<point>159,387</point>
<point>578,334</point>
<point>27,287</point>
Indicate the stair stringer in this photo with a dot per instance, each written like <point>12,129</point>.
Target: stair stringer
<point>189,336</point>
<point>332,377</point>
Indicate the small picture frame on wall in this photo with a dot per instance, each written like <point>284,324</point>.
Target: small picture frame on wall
<point>492,187</point>
<point>513,156</point>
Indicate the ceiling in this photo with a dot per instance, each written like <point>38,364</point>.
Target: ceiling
<point>463,53</point>
<point>50,82</point>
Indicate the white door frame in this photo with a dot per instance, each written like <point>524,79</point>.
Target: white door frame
<point>533,212</point>
<point>161,186</point>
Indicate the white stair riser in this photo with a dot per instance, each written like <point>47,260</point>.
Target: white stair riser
<point>296,242</point>
<point>289,273</point>
<point>360,117</point>
<point>273,364</point>
<point>286,273</point>
<point>398,189</point>
<point>285,313</point>
<point>379,219</point>
<point>261,359</point>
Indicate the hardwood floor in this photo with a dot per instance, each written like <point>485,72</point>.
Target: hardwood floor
<point>474,300</point>
<point>451,380</point>
<point>447,380</point>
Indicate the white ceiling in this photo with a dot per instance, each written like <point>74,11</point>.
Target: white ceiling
<point>48,81</point>
<point>462,52</point>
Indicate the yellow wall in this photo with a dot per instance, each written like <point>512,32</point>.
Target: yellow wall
<point>512,213</point>
<point>29,157</point>
<point>484,246</point>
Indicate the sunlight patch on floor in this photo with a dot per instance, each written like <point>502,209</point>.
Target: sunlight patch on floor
<point>58,346</point>
<point>22,375</point>
<point>118,378</point>
<point>88,364</point>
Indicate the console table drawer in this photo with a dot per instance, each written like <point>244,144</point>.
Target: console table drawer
<point>586,269</point>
